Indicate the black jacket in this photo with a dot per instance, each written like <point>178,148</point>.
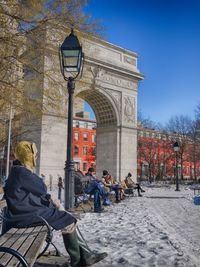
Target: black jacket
<point>26,197</point>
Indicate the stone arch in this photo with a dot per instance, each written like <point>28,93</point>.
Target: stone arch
<point>105,110</point>
<point>109,84</point>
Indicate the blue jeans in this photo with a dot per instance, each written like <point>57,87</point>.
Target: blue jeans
<point>96,188</point>
<point>115,188</point>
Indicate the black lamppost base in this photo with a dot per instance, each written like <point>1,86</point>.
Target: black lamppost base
<point>69,185</point>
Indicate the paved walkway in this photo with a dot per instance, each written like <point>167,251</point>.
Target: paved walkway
<point>157,230</point>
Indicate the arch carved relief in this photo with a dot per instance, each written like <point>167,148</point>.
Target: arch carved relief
<point>129,109</point>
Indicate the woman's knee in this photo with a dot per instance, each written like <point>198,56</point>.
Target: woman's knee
<point>69,229</point>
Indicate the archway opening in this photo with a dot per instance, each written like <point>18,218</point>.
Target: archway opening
<point>95,132</point>
<point>101,105</point>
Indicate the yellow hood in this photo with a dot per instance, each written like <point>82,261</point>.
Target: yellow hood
<point>26,153</point>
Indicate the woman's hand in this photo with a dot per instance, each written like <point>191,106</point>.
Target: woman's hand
<point>55,202</point>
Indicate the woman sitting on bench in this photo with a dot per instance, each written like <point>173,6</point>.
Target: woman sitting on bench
<point>109,182</point>
<point>130,184</point>
<point>26,195</point>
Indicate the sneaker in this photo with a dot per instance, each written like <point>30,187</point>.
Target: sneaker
<point>140,195</point>
<point>99,210</point>
<point>143,191</point>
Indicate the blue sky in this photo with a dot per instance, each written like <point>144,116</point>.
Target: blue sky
<point>166,36</point>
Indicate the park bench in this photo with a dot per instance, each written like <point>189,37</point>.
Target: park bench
<point>22,246</point>
<point>129,192</point>
<point>195,187</point>
<point>81,198</point>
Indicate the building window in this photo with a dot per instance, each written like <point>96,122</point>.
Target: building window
<point>77,124</point>
<point>93,151</point>
<point>147,134</point>
<point>85,137</point>
<point>84,166</point>
<point>86,125</point>
<point>85,150</point>
<point>93,138</point>
<point>76,150</point>
<point>76,136</point>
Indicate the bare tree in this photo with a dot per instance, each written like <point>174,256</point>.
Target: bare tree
<point>180,125</point>
<point>194,148</point>
<point>23,44</point>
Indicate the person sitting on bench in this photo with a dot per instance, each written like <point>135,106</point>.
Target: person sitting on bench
<point>26,196</point>
<point>132,185</point>
<point>95,187</point>
<point>109,182</point>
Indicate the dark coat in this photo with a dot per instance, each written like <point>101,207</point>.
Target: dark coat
<point>26,197</point>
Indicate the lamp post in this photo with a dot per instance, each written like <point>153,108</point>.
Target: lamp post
<point>71,58</point>
<point>9,139</point>
<point>176,148</point>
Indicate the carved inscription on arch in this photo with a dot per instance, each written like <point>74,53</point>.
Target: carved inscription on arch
<point>100,74</point>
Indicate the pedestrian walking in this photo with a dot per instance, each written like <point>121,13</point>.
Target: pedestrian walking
<point>43,177</point>
<point>50,181</point>
<point>60,187</point>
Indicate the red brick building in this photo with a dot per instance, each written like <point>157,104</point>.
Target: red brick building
<point>156,158</point>
<point>84,143</point>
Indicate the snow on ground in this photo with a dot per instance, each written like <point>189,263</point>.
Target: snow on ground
<point>159,229</point>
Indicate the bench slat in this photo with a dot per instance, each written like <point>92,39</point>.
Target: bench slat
<point>27,241</point>
<point>14,242</point>
<point>32,253</point>
<point>10,237</point>
<point>30,245</point>
<point>7,235</point>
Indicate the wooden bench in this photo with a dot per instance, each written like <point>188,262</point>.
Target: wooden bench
<point>22,246</point>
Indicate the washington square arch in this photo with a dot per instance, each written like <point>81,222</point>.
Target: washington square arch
<point>109,84</point>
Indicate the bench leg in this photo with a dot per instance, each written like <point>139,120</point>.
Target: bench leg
<point>48,239</point>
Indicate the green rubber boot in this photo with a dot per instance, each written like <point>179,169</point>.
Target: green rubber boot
<point>73,248</point>
<point>88,257</point>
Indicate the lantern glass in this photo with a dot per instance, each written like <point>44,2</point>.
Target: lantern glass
<point>71,56</point>
<point>71,60</point>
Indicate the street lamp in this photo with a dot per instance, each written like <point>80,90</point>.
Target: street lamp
<point>71,59</point>
<point>176,148</point>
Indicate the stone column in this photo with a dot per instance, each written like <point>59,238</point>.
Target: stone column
<point>128,135</point>
<point>53,147</point>
<point>108,150</point>
<point>128,152</point>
